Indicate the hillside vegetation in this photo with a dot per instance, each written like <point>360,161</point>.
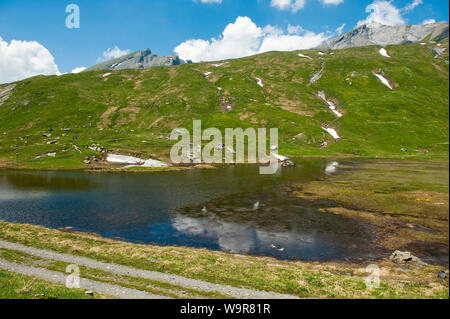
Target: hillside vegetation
<point>133,111</point>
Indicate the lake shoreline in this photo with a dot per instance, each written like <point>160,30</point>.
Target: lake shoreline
<point>338,279</point>
<point>106,167</point>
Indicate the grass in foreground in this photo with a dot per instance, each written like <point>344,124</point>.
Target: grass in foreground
<point>15,286</point>
<point>304,279</point>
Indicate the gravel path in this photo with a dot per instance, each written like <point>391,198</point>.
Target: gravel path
<point>85,284</point>
<point>240,293</point>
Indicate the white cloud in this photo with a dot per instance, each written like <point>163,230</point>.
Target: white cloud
<point>412,5</point>
<point>429,21</point>
<point>78,70</point>
<point>294,29</point>
<point>210,1</point>
<point>293,5</point>
<point>383,12</point>
<point>113,53</point>
<point>23,59</point>
<point>244,38</point>
<point>332,2</point>
<point>340,29</point>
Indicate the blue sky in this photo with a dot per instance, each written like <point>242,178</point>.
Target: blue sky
<point>162,25</point>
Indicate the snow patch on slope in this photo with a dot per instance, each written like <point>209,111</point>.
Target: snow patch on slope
<point>304,56</point>
<point>384,53</point>
<point>331,105</point>
<point>332,132</point>
<point>383,80</point>
<point>260,83</point>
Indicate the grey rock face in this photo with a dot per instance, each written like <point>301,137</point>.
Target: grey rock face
<point>377,34</point>
<point>442,275</point>
<point>5,92</point>
<point>139,60</point>
<point>401,257</point>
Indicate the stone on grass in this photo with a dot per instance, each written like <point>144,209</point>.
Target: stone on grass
<point>403,257</point>
<point>442,275</point>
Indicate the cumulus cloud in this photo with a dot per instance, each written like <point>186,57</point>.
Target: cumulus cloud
<point>332,2</point>
<point>78,70</point>
<point>383,12</point>
<point>429,21</point>
<point>244,38</point>
<point>293,5</point>
<point>23,59</point>
<point>113,53</point>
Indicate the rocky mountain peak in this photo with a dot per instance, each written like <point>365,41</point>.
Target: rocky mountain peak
<point>374,33</point>
<point>139,60</point>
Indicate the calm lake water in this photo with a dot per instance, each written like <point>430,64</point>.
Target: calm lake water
<point>232,209</point>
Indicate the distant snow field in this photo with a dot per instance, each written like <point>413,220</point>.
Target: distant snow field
<point>107,74</point>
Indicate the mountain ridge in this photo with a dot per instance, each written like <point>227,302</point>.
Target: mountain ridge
<point>378,34</point>
<point>138,60</point>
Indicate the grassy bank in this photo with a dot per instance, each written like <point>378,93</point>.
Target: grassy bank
<point>14,286</point>
<point>304,279</point>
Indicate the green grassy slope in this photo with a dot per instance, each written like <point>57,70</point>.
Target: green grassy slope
<point>130,110</point>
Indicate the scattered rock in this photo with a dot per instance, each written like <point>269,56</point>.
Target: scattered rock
<point>402,257</point>
<point>404,150</point>
<point>442,275</point>
<point>273,246</point>
<point>38,296</point>
<point>89,292</point>
<point>288,164</point>
<point>67,229</point>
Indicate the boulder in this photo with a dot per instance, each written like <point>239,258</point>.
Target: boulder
<point>442,275</point>
<point>402,257</point>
